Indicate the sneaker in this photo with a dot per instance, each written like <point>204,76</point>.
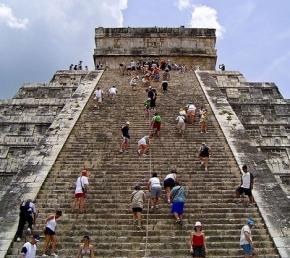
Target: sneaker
<point>152,208</point>
<point>28,231</point>
<point>18,239</point>
<point>44,255</point>
<point>178,221</point>
<point>156,206</point>
<point>54,254</point>
<point>168,201</point>
<point>126,151</point>
<point>121,151</point>
<point>206,170</point>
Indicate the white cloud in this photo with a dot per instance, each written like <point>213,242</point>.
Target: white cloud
<point>183,4</point>
<point>8,18</point>
<point>206,17</point>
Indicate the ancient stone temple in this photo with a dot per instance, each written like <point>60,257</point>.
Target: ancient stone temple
<point>50,131</point>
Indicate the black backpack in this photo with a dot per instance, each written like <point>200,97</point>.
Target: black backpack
<point>25,208</point>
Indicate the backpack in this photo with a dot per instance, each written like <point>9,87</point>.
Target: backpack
<point>25,208</point>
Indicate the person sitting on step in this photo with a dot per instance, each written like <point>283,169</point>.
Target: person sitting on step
<point>86,250</point>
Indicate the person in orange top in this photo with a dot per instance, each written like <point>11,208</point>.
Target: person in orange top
<point>197,241</point>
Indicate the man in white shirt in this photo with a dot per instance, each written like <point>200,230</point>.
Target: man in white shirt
<point>98,97</point>
<point>29,248</point>
<point>246,241</point>
<point>247,181</point>
<point>113,92</point>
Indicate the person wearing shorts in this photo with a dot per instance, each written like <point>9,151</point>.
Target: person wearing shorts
<point>178,198</point>
<point>204,153</point>
<point>247,181</point>
<point>156,124</point>
<point>137,202</point>
<point>81,183</point>
<point>169,183</point>
<point>246,241</point>
<point>154,187</point>
<point>49,232</point>
<point>125,138</point>
<point>143,145</point>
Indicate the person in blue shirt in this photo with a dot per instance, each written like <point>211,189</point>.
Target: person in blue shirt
<point>178,197</point>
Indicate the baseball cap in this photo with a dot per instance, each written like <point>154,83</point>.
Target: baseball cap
<point>250,221</point>
<point>198,224</point>
<point>36,238</point>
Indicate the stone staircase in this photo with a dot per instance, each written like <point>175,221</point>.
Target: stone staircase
<point>95,141</point>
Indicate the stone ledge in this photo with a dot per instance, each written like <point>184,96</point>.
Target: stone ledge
<point>270,197</point>
<point>28,182</point>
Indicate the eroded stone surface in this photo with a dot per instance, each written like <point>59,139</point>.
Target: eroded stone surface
<point>249,123</point>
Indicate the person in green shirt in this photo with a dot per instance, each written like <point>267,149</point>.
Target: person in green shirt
<point>156,124</point>
<point>147,106</point>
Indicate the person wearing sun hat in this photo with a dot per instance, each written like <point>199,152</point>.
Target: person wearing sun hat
<point>246,241</point>
<point>29,248</point>
<point>197,241</point>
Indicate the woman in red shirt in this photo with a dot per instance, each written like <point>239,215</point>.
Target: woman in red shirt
<point>197,241</point>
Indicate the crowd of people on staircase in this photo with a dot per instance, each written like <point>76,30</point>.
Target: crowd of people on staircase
<point>175,193</point>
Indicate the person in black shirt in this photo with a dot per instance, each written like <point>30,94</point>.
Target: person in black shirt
<point>125,138</point>
<point>204,153</point>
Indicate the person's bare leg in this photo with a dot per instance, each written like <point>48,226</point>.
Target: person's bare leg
<point>167,190</point>
<point>82,204</point>
<point>205,163</point>
<point>45,245</point>
<point>53,243</point>
<point>139,217</point>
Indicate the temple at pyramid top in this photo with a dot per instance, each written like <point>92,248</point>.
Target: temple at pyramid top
<point>189,46</point>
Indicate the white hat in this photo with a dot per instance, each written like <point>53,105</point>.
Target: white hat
<point>198,224</point>
<point>127,123</point>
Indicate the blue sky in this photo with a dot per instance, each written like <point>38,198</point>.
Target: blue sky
<point>39,37</point>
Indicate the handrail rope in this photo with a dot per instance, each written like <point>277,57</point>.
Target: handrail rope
<point>148,203</point>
